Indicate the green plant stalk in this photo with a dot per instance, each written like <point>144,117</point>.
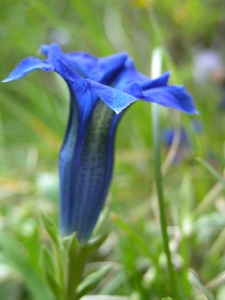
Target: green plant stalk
<point>159,188</point>
<point>2,147</point>
<point>59,254</point>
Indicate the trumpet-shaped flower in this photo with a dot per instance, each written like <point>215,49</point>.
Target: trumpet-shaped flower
<point>100,91</point>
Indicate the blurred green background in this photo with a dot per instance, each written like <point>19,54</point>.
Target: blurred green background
<point>33,116</point>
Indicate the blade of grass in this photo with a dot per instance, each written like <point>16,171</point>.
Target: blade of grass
<point>211,170</point>
<point>195,279</point>
<point>156,68</point>
<point>134,237</point>
<point>208,200</point>
<point>2,147</point>
<point>31,276</point>
<point>32,121</point>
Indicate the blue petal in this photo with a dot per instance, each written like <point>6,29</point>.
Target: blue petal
<point>128,75</point>
<point>66,161</point>
<point>27,66</point>
<point>81,90</point>
<point>81,108</point>
<point>44,49</point>
<point>113,98</point>
<point>93,209</point>
<point>85,96</point>
<point>51,52</point>
<point>82,63</point>
<point>102,70</point>
<point>197,126</point>
<point>108,67</point>
<point>91,187</point>
<point>159,82</point>
<point>134,89</point>
<point>87,172</point>
<point>62,68</point>
<point>171,96</point>
<point>168,135</point>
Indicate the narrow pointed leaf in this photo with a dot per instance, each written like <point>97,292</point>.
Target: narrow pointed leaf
<point>95,243</point>
<point>91,281</point>
<point>71,242</point>
<point>49,270</point>
<point>76,259</point>
<point>31,276</point>
<point>50,227</point>
<point>135,238</point>
<point>211,170</point>
<point>195,279</point>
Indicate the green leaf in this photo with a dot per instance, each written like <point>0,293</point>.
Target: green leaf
<point>49,270</point>
<point>76,260</point>
<point>70,242</point>
<point>94,244</point>
<point>47,259</point>
<point>31,276</point>
<point>114,283</point>
<point>91,281</point>
<point>195,279</point>
<point>51,228</point>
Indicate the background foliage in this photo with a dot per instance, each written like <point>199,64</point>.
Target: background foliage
<point>33,115</point>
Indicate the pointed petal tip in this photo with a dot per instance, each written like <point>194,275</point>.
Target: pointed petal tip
<point>193,111</point>
<point>118,110</point>
<point>43,50</point>
<point>6,80</point>
<point>11,77</point>
<point>115,99</point>
<point>27,66</point>
<point>64,70</point>
<point>196,112</point>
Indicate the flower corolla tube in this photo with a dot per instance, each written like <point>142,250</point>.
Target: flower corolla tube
<point>100,91</point>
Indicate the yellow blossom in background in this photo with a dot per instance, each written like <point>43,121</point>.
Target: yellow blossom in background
<point>186,10</point>
<point>180,13</point>
<point>143,3</point>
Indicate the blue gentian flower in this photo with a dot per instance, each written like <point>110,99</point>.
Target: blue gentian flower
<point>185,142</point>
<point>100,91</point>
<point>168,135</point>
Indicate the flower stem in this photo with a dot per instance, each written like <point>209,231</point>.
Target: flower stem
<point>159,187</point>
